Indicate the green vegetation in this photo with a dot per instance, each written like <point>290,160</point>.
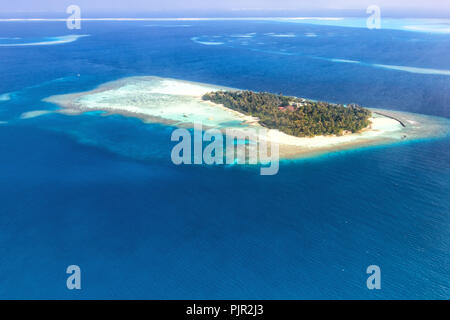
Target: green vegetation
<point>294,116</point>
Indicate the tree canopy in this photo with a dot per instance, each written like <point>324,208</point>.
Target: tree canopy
<point>294,116</point>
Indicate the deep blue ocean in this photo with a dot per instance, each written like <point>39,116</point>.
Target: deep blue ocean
<point>102,193</point>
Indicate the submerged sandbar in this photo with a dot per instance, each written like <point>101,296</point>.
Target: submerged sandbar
<point>179,103</point>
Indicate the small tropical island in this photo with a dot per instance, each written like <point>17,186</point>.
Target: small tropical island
<point>294,116</point>
<point>301,127</point>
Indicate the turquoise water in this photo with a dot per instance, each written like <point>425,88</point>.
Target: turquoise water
<point>101,191</point>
